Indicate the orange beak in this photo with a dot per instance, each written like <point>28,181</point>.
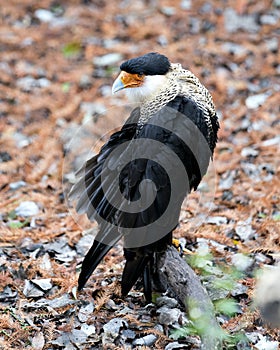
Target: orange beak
<point>127,80</point>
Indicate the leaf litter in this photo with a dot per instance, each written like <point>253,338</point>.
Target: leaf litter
<point>58,61</point>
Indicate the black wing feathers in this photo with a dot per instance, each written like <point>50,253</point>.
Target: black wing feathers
<point>178,128</point>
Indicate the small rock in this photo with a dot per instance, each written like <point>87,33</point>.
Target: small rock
<point>111,305</point>
<point>239,289</point>
<point>21,140</point>
<point>85,312</point>
<point>148,340</point>
<point>255,101</point>
<point>272,44</point>
<point>68,256</point>
<point>241,261</point>
<point>8,295</point>
<point>249,152</point>
<point>186,4</point>
<point>244,230</point>
<point>166,301</point>
<point>128,334</point>
<point>91,109</point>
<point>124,311</point>
<point>217,220</point>
<point>38,341</point>
<point>30,290</point>
<point>162,40</point>
<point>271,142</point>
<point>235,49</point>
<point>105,90</point>
<point>168,316</point>
<point>268,19</point>
<point>60,302</point>
<point>88,329</point>
<point>85,81</point>
<point>227,180</point>
<point>107,60</point>
<point>16,185</point>
<point>78,337</point>
<point>45,263</point>
<point>44,283</point>
<point>5,157</point>
<point>214,292</point>
<point>234,22</point>
<point>176,345</point>
<point>58,247</point>
<point>168,10</point>
<point>113,327</point>
<point>44,15</point>
<point>158,327</point>
<point>28,83</point>
<point>63,340</point>
<point>27,208</point>
<point>265,344</point>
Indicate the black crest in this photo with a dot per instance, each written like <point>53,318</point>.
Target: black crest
<point>150,64</point>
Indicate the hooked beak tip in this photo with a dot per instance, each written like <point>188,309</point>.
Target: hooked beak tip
<point>117,86</point>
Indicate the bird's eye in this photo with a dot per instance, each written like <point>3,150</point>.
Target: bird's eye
<point>140,75</point>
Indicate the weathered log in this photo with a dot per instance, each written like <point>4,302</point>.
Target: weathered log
<point>175,275</point>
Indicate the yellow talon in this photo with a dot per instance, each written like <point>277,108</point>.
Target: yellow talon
<point>178,246</point>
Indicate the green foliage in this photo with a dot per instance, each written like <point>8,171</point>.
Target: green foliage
<point>276,217</point>
<point>227,306</point>
<point>66,87</point>
<point>222,278</point>
<point>72,50</point>
<point>18,224</point>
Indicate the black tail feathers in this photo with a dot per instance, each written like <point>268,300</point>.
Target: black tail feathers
<point>137,265</point>
<point>92,259</point>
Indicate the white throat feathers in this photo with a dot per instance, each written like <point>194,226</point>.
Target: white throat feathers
<point>152,84</point>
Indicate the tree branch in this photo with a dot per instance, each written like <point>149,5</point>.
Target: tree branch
<point>175,275</point>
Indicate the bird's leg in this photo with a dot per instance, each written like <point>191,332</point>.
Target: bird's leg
<point>147,282</point>
<point>176,243</point>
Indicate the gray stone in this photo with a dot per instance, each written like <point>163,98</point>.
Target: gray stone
<point>44,283</point>
<point>233,48</point>
<point>30,290</point>
<point>234,22</point>
<point>44,15</point>
<point>186,4</point>
<point>168,10</point>
<point>27,208</point>
<point>241,262</point>
<point>217,220</point>
<point>176,345</point>
<point>269,19</point>
<point>249,152</point>
<point>166,301</point>
<point>28,83</point>
<point>85,312</point>
<point>168,316</point>
<point>88,329</point>
<point>16,185</point>
<point>255,101</point>
<point>107,60</point>
<point>112,328</point>
<point>128,334</point>
<point>78,337</point>
<point>148,340</point>
<point>244,230</point>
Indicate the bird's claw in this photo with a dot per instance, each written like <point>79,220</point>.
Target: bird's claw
<point>176,243</point>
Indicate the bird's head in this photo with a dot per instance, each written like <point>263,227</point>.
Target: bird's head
<point>142,76</point>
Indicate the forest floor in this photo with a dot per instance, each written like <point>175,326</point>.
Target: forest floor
<point>58,62</point>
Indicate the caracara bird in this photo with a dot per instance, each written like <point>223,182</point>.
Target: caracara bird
<point>134,187</point>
